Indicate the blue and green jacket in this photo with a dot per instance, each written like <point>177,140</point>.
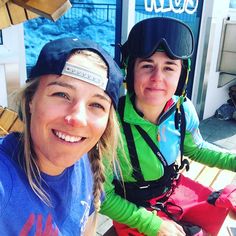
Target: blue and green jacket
<point>167,138</point>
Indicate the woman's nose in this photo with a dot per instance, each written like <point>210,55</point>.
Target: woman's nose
<point>156,75</point>
<point>77,117</point>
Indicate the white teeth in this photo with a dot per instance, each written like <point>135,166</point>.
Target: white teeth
<point>67,138</point>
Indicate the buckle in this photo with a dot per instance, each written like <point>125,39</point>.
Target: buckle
<point>159,206</point>
<point>144,186</point>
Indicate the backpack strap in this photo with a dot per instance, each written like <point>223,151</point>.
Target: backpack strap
<point>137,173</point>
<point>180,120</point>
<point>152,145</point>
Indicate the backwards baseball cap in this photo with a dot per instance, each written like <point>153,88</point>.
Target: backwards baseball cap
<point>55,54</point>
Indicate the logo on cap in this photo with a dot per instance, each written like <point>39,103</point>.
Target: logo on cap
<point>79,72</point>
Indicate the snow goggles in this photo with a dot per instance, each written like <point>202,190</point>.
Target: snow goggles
<point>148,35</point>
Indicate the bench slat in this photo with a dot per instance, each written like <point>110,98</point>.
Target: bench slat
<point>7,118</point>
<point>17,126</point>
<point>208,176</point>
<point>224,178</point>
<point>9,121</point>
<point>194,171</point>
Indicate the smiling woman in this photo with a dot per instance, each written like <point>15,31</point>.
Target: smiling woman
<point>53,170</point>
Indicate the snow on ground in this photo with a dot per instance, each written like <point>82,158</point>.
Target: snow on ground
<point>39,31</point>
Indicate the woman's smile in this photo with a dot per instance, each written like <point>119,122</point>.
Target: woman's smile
<point>66,137</point>
<point>66,123</point>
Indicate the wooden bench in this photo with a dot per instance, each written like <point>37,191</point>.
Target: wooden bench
<point>9,121</point>
<point>207,176</point>
<point>217,179</point>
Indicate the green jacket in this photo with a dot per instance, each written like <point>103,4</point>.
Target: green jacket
<point>167,138</point>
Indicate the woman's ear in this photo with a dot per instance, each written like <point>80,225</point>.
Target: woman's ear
<point>30,106</point>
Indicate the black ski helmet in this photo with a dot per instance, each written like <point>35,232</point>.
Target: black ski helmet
<point>172,35</point>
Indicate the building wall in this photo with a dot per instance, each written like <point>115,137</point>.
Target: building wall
<point>12,62</point>
<point>207,97</point>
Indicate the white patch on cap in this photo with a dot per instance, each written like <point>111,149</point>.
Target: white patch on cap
<point>84,74</point>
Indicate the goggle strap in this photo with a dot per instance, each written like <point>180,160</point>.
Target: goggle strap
<point>187,77</point>
<point>125,66</point>
<point>189,64</point>
<point>125,63</point>
<point>123,70</point>
<point>179,102</point>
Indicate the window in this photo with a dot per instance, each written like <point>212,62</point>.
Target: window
<point>1,41</point>
<point>232,4</point>
<point>93,21</point>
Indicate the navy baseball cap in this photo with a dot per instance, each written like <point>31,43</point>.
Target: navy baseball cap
<point>53,60</point>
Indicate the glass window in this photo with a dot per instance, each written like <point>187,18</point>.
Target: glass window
<point>232,4</point>
<point>1,41</point>
<point>94,20</point>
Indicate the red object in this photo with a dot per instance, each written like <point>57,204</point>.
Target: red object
<point>192,198</point>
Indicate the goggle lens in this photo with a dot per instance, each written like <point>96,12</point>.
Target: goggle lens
<point>147,35</point>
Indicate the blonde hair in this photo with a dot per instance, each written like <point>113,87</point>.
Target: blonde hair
<point>96,61</point>
<point>106,147</point>
<point>28,162</point>
<point>92,56</point>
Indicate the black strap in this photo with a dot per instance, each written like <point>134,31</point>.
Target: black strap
<point>184,162</point>
<point>140,193</point>
<point>160,206</point>
<point>137,173</point>
<point>152,145</point>
<point>180,119</point>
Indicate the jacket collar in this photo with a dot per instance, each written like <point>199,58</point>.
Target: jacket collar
<point>132,116</point>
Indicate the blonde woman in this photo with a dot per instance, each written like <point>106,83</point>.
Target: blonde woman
<point>51,175</point>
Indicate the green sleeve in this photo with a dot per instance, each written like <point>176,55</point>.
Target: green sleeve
<point>201,151</point>
<point>123,211</point>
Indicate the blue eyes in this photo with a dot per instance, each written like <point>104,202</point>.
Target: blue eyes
<point>67,97</point>
<point>97,105</point>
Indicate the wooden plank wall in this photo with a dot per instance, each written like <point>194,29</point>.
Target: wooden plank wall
<point>52,10</point>
<point>12,14</point>
<point>16,11</point>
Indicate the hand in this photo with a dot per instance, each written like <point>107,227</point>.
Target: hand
<point>170,228</point>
